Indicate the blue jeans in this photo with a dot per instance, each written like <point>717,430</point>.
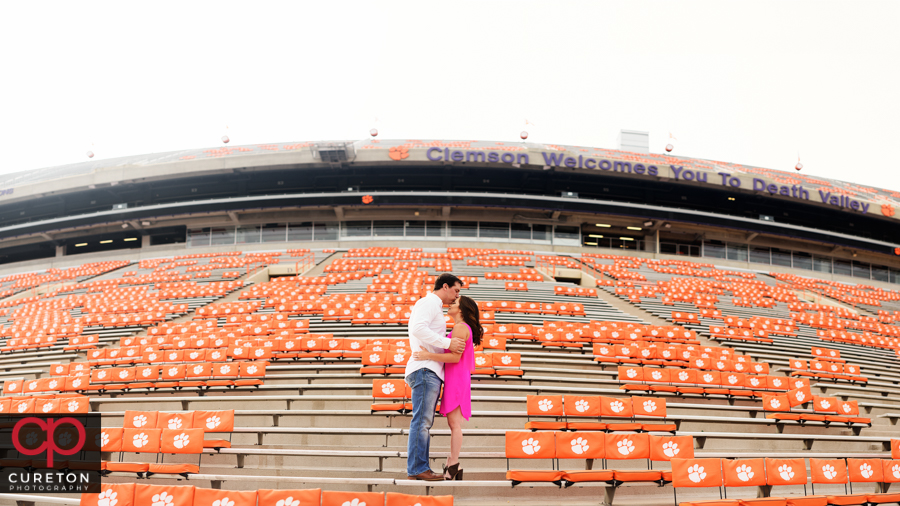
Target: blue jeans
<point>426,387</point>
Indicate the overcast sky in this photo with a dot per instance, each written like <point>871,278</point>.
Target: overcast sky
<point>746,82</point>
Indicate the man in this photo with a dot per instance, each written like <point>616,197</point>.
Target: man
<point>428,332</point>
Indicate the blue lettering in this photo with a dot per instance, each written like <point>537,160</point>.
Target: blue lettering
<point>639,168</point>
<point>652,170</point>
<point>621,166</point>
<point>590,163</point>
<point>701,177</point>
<point>824,196</point>
<point>472,156</point>
<point>865,207</point>
<point>758,185</point>
<point>493,157</point>
<point>688,175</point>
<point>505,160</point>
<point>724,177</point>
<point>570,162</point>
<point>428,154</point>
<point>457,156</point>
<point>677,171</point>
<point>607,166</point>
<point>522,159</point>
<point>734,182</point>
<point>551,159</point>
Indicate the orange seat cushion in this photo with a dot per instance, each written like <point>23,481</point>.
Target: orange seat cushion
<point>783,416</point>
<point>808,500</point>
<point>586,426</point>
<point>847,500</point>
<point>174,468</point>
<point>135,386</point>
<point>127,467</point>
<point>659,427</point>
<point>219,383</point>
<point>584,476</point>
<point>216,443</point>
<point>624,427</point>
<point>397,406</point>
<point>527,476</point>
<point>883,498</point>
<point>764,501</point>
<point>629,476</point>
<point>545,425</point>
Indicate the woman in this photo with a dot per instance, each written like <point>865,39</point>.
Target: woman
<point>456,402</point>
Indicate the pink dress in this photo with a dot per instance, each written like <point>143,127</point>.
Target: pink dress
<point>458,382</point>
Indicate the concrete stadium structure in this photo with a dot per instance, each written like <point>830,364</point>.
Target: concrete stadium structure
<point>448,193</point>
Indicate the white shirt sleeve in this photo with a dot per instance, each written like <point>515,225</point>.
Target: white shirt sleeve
<point>419,328</point>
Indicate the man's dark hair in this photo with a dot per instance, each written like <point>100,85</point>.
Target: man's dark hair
<point>448,278</point>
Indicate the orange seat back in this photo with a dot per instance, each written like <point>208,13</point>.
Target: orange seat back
<point>744,472</point>
<point>627,446</point>
<point>666,448</point>
<point>548,405</point>
<point>530,445</point>
<point>181,441</point>
<point>785,471</point>
<point>696,473</point>
<point>208,497</point>
<point>181,496</point>
<point>141,440</point>
<point>305,497</point>
<point>828,470</point>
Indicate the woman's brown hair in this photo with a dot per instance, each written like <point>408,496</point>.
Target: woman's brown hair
<point>470,315</point>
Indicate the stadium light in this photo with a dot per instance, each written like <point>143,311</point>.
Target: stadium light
<point>603,225</point>
<point>730,198</point>
<point>81,244</point>
<point>108,241</point>
<point>634,228</point>
<point>131,239</point>
<point>626,238</point>
<point>595,236</point>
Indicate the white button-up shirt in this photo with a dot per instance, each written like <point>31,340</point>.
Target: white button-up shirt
<point>428,332</point>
